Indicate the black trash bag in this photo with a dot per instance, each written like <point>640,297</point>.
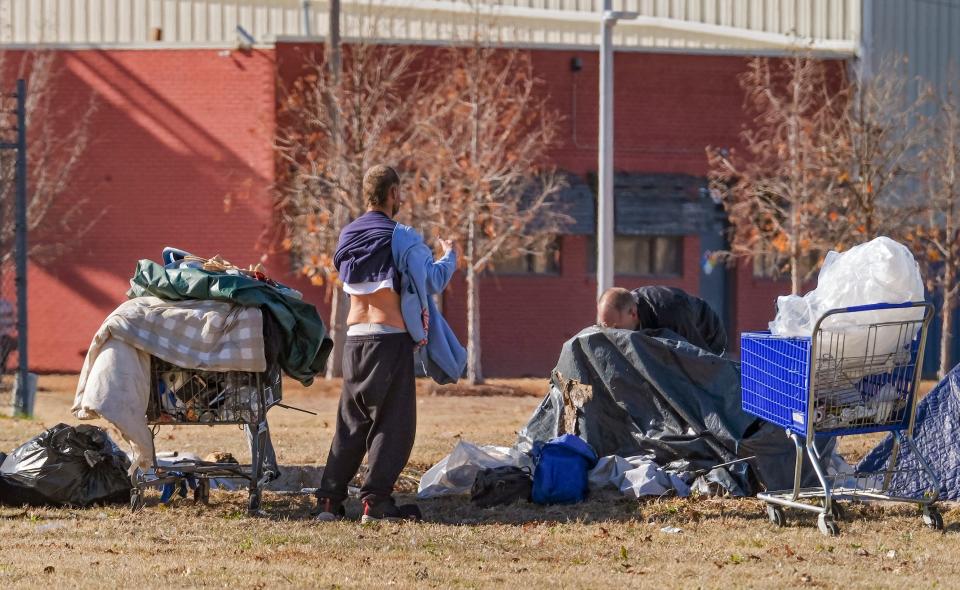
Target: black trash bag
<point>66,466</point>
<point>497,486</point>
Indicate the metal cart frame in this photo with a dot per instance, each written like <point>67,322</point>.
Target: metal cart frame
<point>835,372</point>
<point>210,398</point>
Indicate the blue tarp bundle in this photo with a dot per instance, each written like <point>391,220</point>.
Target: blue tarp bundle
<point>935,434</point>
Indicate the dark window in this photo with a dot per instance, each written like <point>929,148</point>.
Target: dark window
<point>654,256</point>
<point>525,263</point>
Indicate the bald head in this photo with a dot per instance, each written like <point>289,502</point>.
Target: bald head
<point>617,309</point>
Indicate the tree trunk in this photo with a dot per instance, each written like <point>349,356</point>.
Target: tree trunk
<point>946,322</point>
<point>339,308</point>
<point>795,230</point>
<point>794,274</point>
<point>474,370</point>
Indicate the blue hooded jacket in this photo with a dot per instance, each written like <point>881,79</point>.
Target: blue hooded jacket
<point>440,354</point>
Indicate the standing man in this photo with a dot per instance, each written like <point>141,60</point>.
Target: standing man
<point>378,260</point>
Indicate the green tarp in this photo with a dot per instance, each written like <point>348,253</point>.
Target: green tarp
<point>306,345</point>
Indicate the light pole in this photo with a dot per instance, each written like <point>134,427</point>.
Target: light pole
<point>605,164</point>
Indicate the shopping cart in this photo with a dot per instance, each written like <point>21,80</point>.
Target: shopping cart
<point>183,397</point>
<point>846,379</point>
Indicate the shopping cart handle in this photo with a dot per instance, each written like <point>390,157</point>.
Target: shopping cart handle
<point>927,307</point>
<point>876,306</point>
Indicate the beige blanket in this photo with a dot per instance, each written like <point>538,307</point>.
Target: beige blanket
<point>115,379</point>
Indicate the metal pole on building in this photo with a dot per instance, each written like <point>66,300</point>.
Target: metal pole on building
<point>865,57</point>
<point>23,405</point>
<point>307,17</point>
<point>333,39</point>
<point>605,165</point>
<point>605,197</point>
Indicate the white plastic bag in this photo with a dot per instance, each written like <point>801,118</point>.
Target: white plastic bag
<point>454,474</point>
<point>879,271</point>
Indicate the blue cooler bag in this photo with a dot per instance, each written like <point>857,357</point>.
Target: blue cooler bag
<point>560,476</point>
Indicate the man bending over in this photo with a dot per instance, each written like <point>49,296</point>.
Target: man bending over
<point>654,307</point>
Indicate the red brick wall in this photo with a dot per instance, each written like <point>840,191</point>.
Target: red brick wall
<point>668,108</point>
<point>175,133</point>
<point>179,131</point>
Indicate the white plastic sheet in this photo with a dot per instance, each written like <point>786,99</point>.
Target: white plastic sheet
<point>635,476</point>
<point>879,271</point>
<point>454,474</point>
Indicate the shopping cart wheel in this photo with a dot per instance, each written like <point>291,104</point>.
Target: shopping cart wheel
<point>776,515</point>
<point>837,511</point>
<point>827,525</point>
<point>253,507</point>
<point>201,495</point>
<point>932,518</point>
<point>136,499</point>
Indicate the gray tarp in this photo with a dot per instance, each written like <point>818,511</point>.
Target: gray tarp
<point>651,393</point>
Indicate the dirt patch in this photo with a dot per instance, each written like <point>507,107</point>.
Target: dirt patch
<point>492,388</point>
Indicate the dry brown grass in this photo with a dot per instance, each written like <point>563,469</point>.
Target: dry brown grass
<point>609,541</point>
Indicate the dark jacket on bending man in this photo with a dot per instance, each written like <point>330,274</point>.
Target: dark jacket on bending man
<point>656,307</point>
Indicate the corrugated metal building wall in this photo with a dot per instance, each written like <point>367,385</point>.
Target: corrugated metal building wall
<point>684,25</point>
<point>926,32</point>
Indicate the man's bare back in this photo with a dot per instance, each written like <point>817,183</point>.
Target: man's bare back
<point>381,307</point>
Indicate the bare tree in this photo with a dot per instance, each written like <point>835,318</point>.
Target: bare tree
<point>489,185</point>
<point>782,193</point>
<point>877,150</point>
<point>58,135</point>
<point>331,127</point>
<point>936,238</point>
